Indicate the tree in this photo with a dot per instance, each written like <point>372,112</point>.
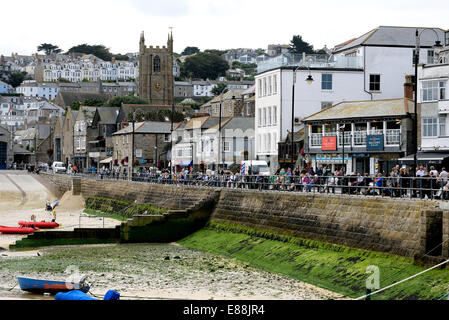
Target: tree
<point>15,78</point>
<point>94,102</point>
<point>121,57</point>
<point>48,48</point>
<point>219,88</point>
<point>99,51</point>
<point>297,45</point>
<point>215,51</point>
<point>117,101</point>
<point>190,50</point>
<point>204,65</point>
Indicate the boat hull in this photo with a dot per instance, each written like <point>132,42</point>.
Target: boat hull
<point>53,287</point>
<point>16,230</point>
<point>39,224</point>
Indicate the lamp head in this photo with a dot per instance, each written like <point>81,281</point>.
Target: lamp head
<point>309,79</point>
<point>437,44</point>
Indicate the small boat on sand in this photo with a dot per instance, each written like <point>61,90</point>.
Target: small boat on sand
<point>39,224</point>
<point>50,286</point>
<point>17,230</point>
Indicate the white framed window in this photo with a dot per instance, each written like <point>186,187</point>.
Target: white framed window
<point>260,117</point>
<point>259,87</point>
<point>429,127</point>
<point>433,90</point>
<point>442,124</point>
<point>374,82</point>
<point>275,115</point>
<point>226,146</point>
<point>275,84</point>
<point>269,116</point>
<point>430,56</point>
<point>269,142</point>
<point>265,86</point>
<point>326,81</point>
<point>264,122</point>
<point>270,89</point>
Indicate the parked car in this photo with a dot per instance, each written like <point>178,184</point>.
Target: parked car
<point>58,167</point>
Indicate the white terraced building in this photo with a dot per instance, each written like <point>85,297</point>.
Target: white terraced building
<point>371,67</point>
<point>87,67</point>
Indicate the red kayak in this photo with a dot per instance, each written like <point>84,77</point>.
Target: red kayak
<point>41,224</point>
<point>17,230</point>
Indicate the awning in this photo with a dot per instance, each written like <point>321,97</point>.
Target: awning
<point>186,163</point>
<point>107,160</point>
<point>428,157</point>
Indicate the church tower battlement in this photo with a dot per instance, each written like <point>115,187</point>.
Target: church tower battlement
<point>156,80</point>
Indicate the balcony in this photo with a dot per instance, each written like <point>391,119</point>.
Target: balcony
<point>443,106</point>
<point>310,60</point>
<point>392,137</point>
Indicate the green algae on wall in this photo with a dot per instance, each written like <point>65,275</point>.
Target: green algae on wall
<point>334,267</point>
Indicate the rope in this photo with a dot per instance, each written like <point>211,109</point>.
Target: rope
<point>396,283</point>
<point>447,294</point>
<point>10,289</point>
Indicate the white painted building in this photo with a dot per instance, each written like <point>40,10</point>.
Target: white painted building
<point>433,82</point>
<point>373,66</point>
<point>88,67</point>
<point>29,88</point>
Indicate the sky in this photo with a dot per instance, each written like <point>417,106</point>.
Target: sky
<point>206,24</point>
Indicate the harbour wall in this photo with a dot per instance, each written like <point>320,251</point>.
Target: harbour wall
<point>406,227</point>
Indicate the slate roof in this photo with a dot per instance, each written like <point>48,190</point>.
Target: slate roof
<point>364,109</point>
<point>108,115</point>
<point>68,98</point>
<point>395,36</point>
<point>147,127</point>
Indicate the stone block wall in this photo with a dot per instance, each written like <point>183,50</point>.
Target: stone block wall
<point>380,224</point>
<point>163,196</point>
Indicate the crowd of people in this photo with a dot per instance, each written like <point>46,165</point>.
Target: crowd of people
<point>425,183</point>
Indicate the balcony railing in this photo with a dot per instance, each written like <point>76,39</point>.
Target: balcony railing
<point>358,138</point>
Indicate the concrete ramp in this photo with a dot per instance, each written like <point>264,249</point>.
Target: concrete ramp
<point>18,190</point>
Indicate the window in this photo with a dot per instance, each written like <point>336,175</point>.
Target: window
<point>374,82</point>
<point>269,116</point>
<point>275,115</point>
<point>269,86</point>
<point>433,90</point>
<point>275,83</point>
<point>430,56</point>
<point>325,104</point>
<point>326,81</point>
<point>264,123</point>
<point>442,123</point>
<point>260,87</point>
<point>264,86</point>
<point>429,127</point>
<point>226,146</point>
<point>156,64</point>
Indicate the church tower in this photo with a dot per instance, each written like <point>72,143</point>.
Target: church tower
<point>156,80</point>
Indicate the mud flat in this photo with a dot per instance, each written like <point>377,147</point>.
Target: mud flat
<point>154,271</point>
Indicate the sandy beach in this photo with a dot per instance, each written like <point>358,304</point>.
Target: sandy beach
<point>137,271</point>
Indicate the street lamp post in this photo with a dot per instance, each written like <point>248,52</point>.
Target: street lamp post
<point>415,88</point>
<point>309,80</point>
<point>342,128</point>
<point>132,147</point>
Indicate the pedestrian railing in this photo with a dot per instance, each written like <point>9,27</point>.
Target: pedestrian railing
<point>429,187</point>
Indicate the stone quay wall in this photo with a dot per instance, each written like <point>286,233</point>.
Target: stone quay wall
<point>396,226</point>
<point>406,227</point>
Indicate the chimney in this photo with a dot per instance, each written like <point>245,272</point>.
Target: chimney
<point>408,87</point>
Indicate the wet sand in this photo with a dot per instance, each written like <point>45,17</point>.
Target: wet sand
<point>137,271</point>
<point>155,271</point>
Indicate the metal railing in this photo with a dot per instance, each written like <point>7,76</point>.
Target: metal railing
<point>429,187</point>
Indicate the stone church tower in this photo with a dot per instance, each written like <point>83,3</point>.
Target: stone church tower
<point>156,79</point>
